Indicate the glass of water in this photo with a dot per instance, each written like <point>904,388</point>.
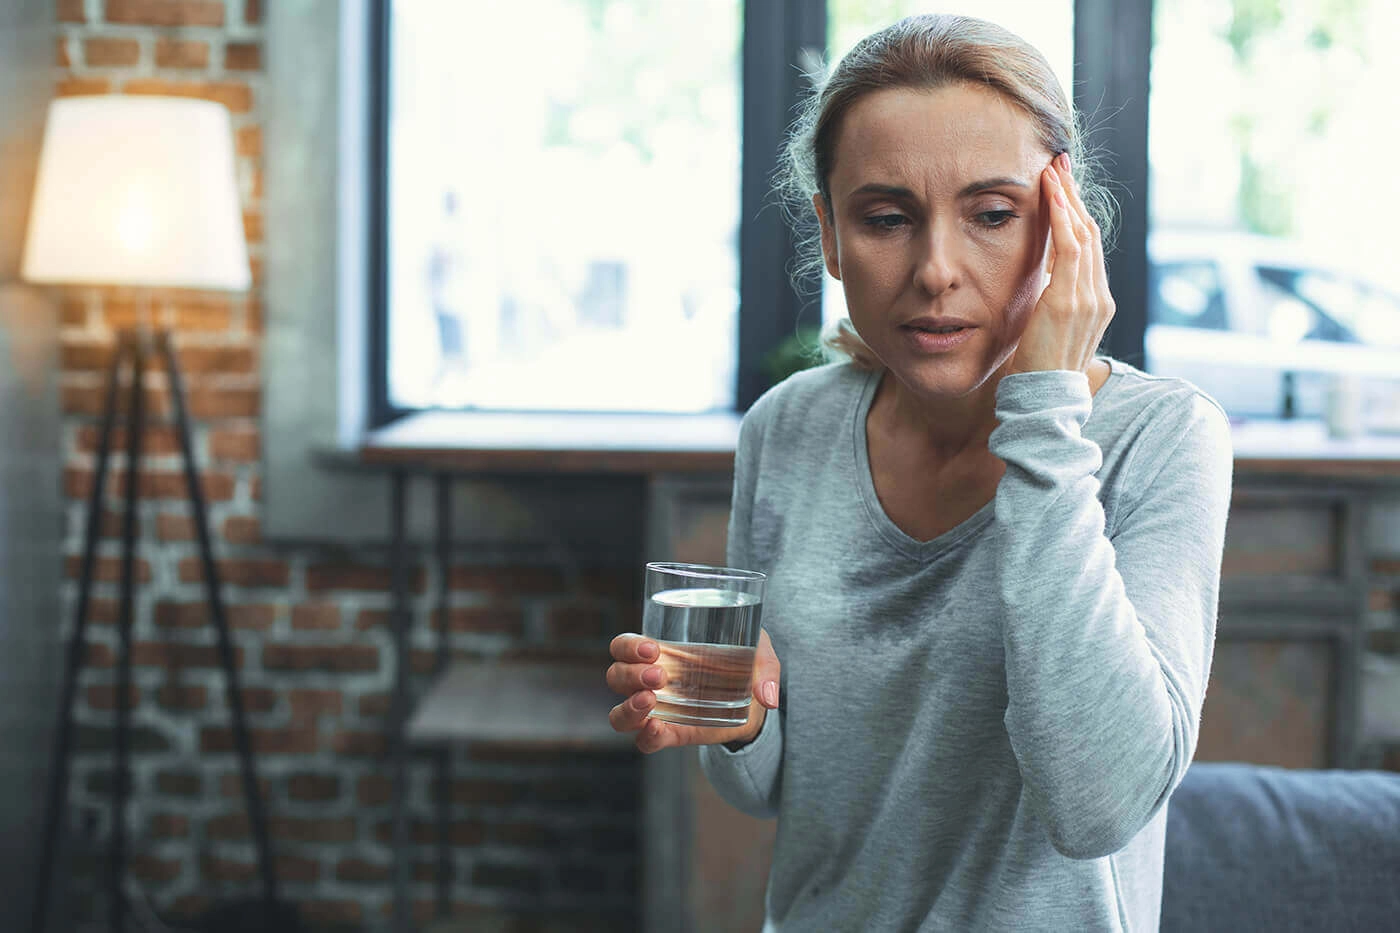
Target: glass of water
<point>706,620</point>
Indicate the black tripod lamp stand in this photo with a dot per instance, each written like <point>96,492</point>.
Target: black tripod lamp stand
<point>138,191</point>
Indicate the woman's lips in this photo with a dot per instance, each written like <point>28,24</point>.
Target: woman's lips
<point>930,342</point>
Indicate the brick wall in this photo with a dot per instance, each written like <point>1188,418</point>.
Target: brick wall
<point>539,835</point>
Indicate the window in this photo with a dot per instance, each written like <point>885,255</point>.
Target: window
<point>563,236</point>
<point>581,234</point>
<point>1263,126</point>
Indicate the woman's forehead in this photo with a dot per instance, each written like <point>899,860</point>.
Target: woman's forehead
<point>948,136</point>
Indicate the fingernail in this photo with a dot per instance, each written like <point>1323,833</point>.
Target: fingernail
<point>652,677</point>
<point>1064,161</point>
<point>770,694</point>
<point>648,650</point>
<point>640,701</point>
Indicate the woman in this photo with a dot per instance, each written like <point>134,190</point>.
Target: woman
<point>993,557</point>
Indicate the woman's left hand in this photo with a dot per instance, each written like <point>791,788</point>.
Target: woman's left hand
<point>1072,315</point>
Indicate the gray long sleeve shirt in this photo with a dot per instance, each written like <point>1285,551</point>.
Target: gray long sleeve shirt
<point>981,731</point>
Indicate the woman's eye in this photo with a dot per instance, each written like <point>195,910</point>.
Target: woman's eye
<point>886,221</point>
<point>994,219</point>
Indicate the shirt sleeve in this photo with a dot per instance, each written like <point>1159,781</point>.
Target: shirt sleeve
<point>1108,640</point>
<point>748,779</point>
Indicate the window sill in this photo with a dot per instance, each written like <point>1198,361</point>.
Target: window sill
<point>527,442</point>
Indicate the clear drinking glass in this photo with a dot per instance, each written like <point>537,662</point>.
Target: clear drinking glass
<point>706,620</point>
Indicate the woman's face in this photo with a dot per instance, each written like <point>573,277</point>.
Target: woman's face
<point>936,223</point>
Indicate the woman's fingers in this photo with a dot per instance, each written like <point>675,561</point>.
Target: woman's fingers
<point>631,714</point>
<point>629,678</point>
<point>1064,272</point>
<point>634,649</point>
<point>767,672</point>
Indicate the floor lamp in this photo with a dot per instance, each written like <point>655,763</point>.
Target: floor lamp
<point>138,191</point>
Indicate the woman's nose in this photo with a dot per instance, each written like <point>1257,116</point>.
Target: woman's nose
<point>935,265</point>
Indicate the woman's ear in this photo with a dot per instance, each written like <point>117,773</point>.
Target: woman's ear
<point>830,254</point>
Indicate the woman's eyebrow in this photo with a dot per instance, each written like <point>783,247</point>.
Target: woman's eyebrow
<point>897,191</point>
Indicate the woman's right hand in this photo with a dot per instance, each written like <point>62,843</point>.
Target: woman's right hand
<point>635,675</point>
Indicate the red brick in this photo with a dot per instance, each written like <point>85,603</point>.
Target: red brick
<point>242,529</point>
<point>331,913</point>
<point>71,11</point>
<point>174,527</point>
<point>183,696</point>
<point>165,12</point>
<point>252,11</point>
<point>308,705</point>
<point>181,53</point>
<point>242,445</point>
<point>103,611</point>
<point>251,616</point>
<point>231,786</point>
<point>111,53</point>
<point>1386,566</point>
<point>179,783</point>
<point>61,58</point>
<point>507,580</point>
<point>475,791</point>
<point>105,697</point>
<point>214,319</point>
<point>73,311</point>
<point>243,56</point>
<point>172,484</point>
<point>97,654</point>
<point>338,658</point>
<point>313,829</point>
<point>375,704</point>
<point>316,617</point>
<point>358,869</point>
<point>240,571</point>
<point>459,832</point>
<point>88,355</point>
<point>208,403</point>
<point>524,834</point>
<point>234,95</point>
<point>494,619</point>
<point>293,741</point>
<point>358,743</point>
<point>81,87</point>
<point>217,739</point>
<point>288,868</point>
<point>347,577</point>
<point>579,622</point>
<point>374,790</point>
<point>259,699</point>
<point>230,826</point>
<point>223,360</point>
<point>179,655</point>
<point>151,868</point>
<point>252,226</point>
<point>313,787</point>
<point>1382,600</point>
<point>191,906</point>
<point>108,569</point>
<point>248,141</point>
<point>169,826</point>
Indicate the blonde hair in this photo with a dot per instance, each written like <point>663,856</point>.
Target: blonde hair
<point>925,52</point>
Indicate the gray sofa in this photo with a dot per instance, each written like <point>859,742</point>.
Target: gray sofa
<point>1259,848</point>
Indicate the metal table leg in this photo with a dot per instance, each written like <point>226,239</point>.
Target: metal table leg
<point>443,757</point>
<point>398,744</point>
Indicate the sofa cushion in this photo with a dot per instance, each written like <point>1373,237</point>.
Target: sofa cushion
<point>1250,847</point>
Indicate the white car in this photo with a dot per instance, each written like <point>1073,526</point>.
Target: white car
<point>1264,329</point>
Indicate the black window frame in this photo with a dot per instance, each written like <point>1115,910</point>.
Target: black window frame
<point>1112,44</point>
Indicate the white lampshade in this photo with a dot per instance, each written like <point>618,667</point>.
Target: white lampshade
<point>137,191</point>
